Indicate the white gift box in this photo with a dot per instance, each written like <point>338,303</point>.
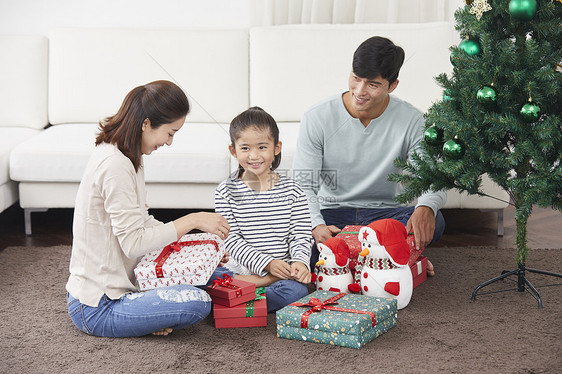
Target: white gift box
<point>190,260</point>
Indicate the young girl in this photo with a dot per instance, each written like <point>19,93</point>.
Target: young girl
<point>112,228</point>
<point>270,231</point>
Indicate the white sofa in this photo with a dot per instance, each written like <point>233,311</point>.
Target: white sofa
<point>23,101</point>
<point>283,69</point>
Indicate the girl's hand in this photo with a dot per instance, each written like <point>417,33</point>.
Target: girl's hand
<point>300,273</point>
<point>224,260</point>
<point>279,269</point>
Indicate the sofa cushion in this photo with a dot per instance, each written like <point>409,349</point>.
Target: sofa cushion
<point>199,154</point>
<point>10,137</point>
<point>23,81</point>
<point>294,66</point>
<point>91,70</point>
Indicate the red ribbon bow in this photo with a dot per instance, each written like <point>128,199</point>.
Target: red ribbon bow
<point>226,281</point>
<point>166,252</point>
<point>317,306</point>
<point>176,247</point>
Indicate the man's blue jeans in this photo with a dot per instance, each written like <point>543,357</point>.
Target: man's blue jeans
<point>142,313</point>
<point>357,216</point>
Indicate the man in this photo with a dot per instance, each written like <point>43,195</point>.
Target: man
<point>347,146</point>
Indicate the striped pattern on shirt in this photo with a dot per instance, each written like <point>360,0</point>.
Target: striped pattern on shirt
<point>267,225</point>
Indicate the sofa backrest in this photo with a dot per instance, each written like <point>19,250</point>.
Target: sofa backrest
<point>23,81</point>
<point>91,70</point>
<point>292,67</point>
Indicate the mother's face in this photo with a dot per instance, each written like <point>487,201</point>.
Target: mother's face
<point>154,138</point>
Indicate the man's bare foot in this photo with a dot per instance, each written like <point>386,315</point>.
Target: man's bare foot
<point>163,332</point>
<point>430,269</point>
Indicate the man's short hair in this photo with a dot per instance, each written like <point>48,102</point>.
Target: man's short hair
<point>378,56</point>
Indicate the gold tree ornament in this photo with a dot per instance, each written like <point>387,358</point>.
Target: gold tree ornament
<point>479,7</point>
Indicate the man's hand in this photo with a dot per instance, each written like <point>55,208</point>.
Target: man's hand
<point>322,233</point>
<point>300,272</point>
<point>279,269</point>
<point>422,223</point>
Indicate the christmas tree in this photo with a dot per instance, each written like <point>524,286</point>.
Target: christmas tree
<point>501,112</point>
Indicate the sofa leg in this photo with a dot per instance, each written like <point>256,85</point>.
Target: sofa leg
<point>500,222</point>
<point>27,215</point>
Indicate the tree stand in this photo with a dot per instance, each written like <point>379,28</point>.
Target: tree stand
<point>521,281</point>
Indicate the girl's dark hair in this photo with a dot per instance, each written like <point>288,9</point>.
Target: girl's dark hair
<point>259,118</point>
<point>378,56</point>
<point>160,101</point>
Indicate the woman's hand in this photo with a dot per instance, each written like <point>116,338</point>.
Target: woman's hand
<point>212,223</point>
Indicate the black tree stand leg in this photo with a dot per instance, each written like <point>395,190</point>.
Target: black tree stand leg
<point>521,281</point>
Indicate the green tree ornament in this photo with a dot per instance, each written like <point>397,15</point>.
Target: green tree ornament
<point>471,47</point>
<point>522,10</point>
<point>454,149</point>
<point>433,136</point>
<point>530,112</point>
<point>487,96</point>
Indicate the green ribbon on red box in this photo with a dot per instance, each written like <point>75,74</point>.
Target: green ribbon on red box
<point>317,306</point>
<point>260,295</point>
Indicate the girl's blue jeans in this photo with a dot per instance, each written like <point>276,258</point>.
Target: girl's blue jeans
<point>142,313</point>
<point>283,292</point>
<point>357,216</point>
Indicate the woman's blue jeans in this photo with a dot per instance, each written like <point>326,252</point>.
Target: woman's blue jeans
<point>142,313</point>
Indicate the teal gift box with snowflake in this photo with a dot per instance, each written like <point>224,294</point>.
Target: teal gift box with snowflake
<point>347,320</point>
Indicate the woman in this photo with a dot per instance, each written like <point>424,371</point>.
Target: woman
<point>112,227</point>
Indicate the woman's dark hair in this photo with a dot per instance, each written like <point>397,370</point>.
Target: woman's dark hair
<point>259,118</point>
<point>378,56</point>
<point>160,101</point>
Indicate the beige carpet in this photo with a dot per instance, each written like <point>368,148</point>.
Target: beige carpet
<point>441,330</point>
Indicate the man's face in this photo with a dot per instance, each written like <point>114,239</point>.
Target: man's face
<point>367,95</point>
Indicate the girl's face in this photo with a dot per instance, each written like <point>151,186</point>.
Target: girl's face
<point>254,149</point>
<point>154,138</point>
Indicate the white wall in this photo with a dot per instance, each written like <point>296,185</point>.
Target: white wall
<point>39,16</point>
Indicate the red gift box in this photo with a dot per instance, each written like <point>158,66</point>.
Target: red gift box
<point>230,292</point>
<point>190,260</point>
<point>419,271</point>
<point>250,314</point>
<point>414,253</point>
<point>349,235</point>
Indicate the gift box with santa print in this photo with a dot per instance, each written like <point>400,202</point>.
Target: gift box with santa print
<point>249,314</point>
<point>229,292</point>
<point>190,260</point>
<point>347,320</point>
